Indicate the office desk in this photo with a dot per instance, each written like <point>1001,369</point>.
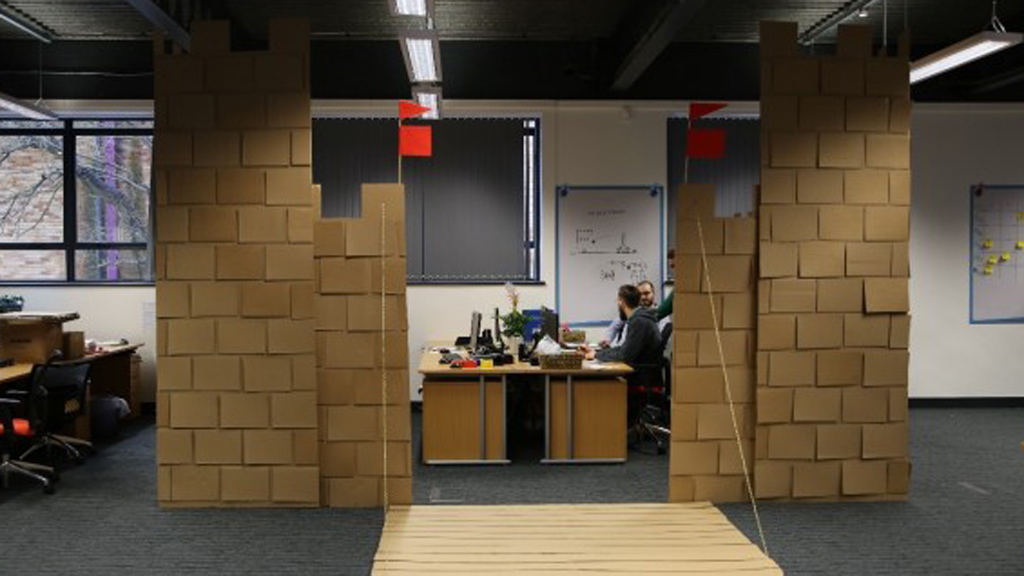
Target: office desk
<point>464,412</point>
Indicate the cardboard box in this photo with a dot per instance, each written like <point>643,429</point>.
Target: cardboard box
<point>815,331</point>
<point>888,151</point>
<point>334,387</point>
<point>778,259</point>
<point>218,446</point>
<point>345,350</point>
<point>838,441</point>
<point>331,312</point>
<point>774,406</point>
<point>174,225</point>
<point>821,113</point>
<point>719,489</point>
<point>840,150</point>
<point>729,461</point>
<point>899,332</point>
<point>267,373</point>
<point>262,225</point>
<point>267,446</point>
<point>304,372</point>
<point>822,259</point>
<point>841,223</point>
<point>345,276</point>
<point>172,299</point>
<point>862,330</point>
<point>840,367</point>
<point>740,235</point>
<point>266,148</point>
<point>737,312</point>
<point>293,410</point>
<point>266,300</point>
<point>338,459</point>
<point>853,41</point>
<point>396,354</point>
<point>348,423</point>
<point>695,311</point>
<point>714,422</point>
<point>387,200</point>
<point>772,479</point>
<point>862,405</point>
<point>693,458</point>
<point>887,77</point>
<point>885,441</point>
<point>776,332</point>
<point>190,262</point>
<point>363,238</point>
<point>840,295</point>
<point>898,404</point>
<point>794,150</point>
<point>184,337</point>
<point>297,484</point>
<point>354,493</point>
<point>245,484</point>
<point>866,186</point>
<point>241,336</point>
<point>886,295</point>
<point>280,72</point>
<point>868,259</point>
<point>290,262</point>
<point>241,110</point>
<point>698,385</point>
<point>797,76</point>
<point>195,483</point>
<point>899,115</point>
<point>211,38</point>
<point>684,344</point>
<point>778,39</point>
<point>302,296</point>
<point>216,373</point>
<point>869,114</point>
<point>817,479</point>
<point>192,186</point>
<point>780,113</point>
<point>794,223</point>
<point>174,373</point>
<point>289,186</point>
<point>844,77</point>
<point>696,201</point>
<point>764,296</point>
<point>793,295</point>
<point>300,225</point>
<point>729,274</point>
<point>366,387</point>
<point>901,259</point>
<point>190,111</point>
<point>735,348</point>
<point>886,367</point>
<point>778,186</point>
<point>887,223</point>
<point>819,186</point>
<point>364,313</point>
<point>899,477</point>
<point>289,110</point>
<point>173,446</point>
<point>241,185</point>
<point>211,299</point>
<point>329,238</point>
<point>245,410</point>
<point>791,369</point>
<point>289,35</point>
<point>291,337</point>
<point>302,147</point>
<point>791,442</point>
<point>218,148</point>
<point>178,73</point>
<point>816,404</point>
<point>194,409</point>
<point>684,421</point>
<point>241,262</point>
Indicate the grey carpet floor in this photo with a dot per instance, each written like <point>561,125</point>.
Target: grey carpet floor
<point>965,516</point>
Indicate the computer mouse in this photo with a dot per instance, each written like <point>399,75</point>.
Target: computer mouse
<point>444,350</point>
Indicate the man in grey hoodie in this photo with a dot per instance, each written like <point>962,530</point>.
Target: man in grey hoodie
<point>640,347</point>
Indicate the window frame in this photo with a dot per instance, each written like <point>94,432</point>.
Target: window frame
<point>70,244</point>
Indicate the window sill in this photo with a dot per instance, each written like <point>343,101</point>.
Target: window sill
<point>77,284</point>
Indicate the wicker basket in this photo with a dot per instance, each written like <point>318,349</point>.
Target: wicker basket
<point>561,361</point>
<point>574,336</point>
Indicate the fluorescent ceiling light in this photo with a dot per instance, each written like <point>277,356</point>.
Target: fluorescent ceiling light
<point>428,97</point>
<point>409,7</point>
<point>422,57</point>
<point>26,109</point>
<point>967,50</point>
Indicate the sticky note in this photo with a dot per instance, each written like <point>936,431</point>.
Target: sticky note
<point>486,363</point>
<point>992,260</point>
<point>1020,245</point>
<point>988,271</point>
<point>1005,257</point>
<point>987,244</point>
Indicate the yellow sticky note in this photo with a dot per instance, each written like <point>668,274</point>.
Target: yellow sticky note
<point>486,363</point>
<point>1020,245</point>
<point>987,244</point>
<point>988,271</point>
<point>1005,257</point>
<point>992,260</point>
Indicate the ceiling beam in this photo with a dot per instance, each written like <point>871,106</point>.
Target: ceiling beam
<point>25,24</point>
<point>163,21</point>
<point>660,31</point>
<point>840,15</point>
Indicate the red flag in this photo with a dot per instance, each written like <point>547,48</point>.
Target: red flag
<point>705,143</point>
<point>415,141</point>
<point>407,109</point>
<point>701,109</point>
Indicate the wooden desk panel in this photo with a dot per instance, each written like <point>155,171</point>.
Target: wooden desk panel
<point>451,414</point>
<point>430,365</point>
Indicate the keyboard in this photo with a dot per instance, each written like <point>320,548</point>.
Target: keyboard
<point>449,358</point>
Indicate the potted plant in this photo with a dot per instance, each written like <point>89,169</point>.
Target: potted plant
<point>513,323</point>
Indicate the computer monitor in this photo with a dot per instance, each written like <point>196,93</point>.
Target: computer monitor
<point>474,331</point>
<point>548,323</point>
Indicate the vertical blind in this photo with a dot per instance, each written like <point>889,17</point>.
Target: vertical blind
<point>734,176</point>
<point>465,209</point>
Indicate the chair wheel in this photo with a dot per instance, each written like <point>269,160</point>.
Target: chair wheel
<point>49,489</point>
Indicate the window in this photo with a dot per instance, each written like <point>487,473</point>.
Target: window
<point>472,210</point>
<point>75,201</point>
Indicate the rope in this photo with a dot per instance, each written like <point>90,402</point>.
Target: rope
<point>728,391</point>
<point>383,352</point>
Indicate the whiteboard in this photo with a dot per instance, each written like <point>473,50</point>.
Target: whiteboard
<point>606,236</point>
<point>997,254</point>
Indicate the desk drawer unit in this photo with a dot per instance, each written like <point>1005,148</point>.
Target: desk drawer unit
<point>586,420</point>
<point>464,420</point>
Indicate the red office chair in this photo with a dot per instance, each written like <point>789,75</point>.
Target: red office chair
<point>10,430</point>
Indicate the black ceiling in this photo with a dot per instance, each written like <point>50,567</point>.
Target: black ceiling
<point>497,49</point>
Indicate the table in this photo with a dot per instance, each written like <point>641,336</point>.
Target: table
<point>464,412</point>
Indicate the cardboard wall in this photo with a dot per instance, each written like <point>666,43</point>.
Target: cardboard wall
<point>236,397</point>
<point>833,323</point>
<point>360,341</point>
<point>705,461</point>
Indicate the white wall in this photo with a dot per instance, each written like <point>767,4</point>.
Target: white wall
<point>953,147</point>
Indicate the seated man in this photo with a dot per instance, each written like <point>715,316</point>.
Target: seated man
<point>642,339</point>
<point>616,333</point>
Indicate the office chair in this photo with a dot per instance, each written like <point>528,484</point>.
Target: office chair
<point>10,430</point>
<point>649,406</point>
<point>56,398</point>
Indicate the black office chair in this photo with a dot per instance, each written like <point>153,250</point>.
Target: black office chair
<point>649,408</point>
<point>56,397</point>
